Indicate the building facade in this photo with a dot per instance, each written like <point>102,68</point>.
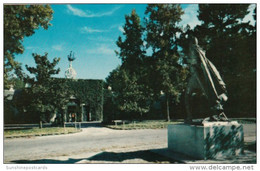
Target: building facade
<point>86,101</point>
<point>84,104</point>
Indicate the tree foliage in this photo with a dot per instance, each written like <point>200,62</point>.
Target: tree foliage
<point>229,43</point>
<point>21,21</point>
<point>162,29</point>
<point>127,80</point>
<point>46,94</point>
<point>132,50</point>
<point>221,29</point>
<point>130,96</point>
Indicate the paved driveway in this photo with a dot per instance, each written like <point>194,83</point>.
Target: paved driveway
<point>90,140</point>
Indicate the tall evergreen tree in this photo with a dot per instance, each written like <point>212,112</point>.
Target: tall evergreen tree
<point>131,48</point>
<point>220,31</point>
<point>162,28</point>
<point>126,81</point>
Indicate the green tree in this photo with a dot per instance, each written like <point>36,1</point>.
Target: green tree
<point>21,21</point>
<point>127,80</point>
<point>132,47</point>
<point>129,95</point>
<point>221,28</point>
<point>46,94</point>
<point>167,74</point>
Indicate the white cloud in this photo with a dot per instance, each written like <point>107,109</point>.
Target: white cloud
<point>190,16</point>
<point>30,47</point>
<point>114,26</point>
<point>100,39</point>
<point>33,49</point>
<point>120,28</point>
<point>101,50</point>
<point>57,47</point>
<point>108,13</point>
<point>106,51</point>
<point>91,30</point>
<point>89,14</point>
<point>249,16</point>
<point>76,11</point>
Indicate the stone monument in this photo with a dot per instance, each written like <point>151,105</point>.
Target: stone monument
<point>70,72</point>
<point>215,136</point>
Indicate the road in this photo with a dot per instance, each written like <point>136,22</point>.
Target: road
<point>89,142</point>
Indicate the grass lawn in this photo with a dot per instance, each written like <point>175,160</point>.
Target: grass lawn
<point>39,132</point>
<point>146,124</point>
<point>159,124</point>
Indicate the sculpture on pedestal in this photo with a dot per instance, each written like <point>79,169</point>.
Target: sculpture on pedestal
<point>204,77</point>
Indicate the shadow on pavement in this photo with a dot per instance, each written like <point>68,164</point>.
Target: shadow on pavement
<point>145,156</point>
<point>251,146</point>
<point>47,161</point>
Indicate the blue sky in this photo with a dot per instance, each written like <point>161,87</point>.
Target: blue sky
<point>89,30</point>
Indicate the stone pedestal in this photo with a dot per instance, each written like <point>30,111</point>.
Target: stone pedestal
<point>213,140</point>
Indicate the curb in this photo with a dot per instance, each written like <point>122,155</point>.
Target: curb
<point>136,128</point>
<point>38,135</point>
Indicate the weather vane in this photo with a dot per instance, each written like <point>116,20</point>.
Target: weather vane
<point>70,72</point>
<point>71,57</point>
